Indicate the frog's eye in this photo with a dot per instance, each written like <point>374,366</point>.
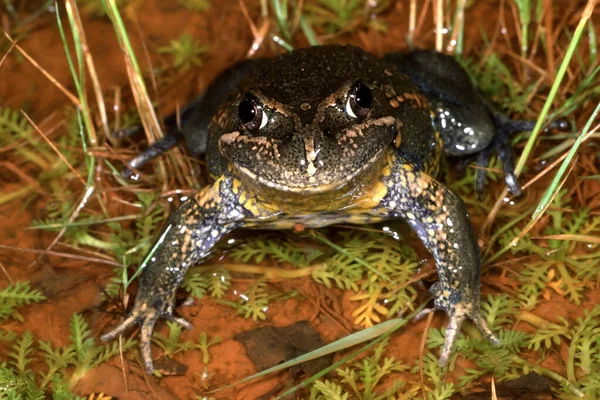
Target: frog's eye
<point>251,114</point>
<point>360,100</point>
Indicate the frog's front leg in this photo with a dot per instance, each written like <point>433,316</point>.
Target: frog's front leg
<point>187,237</point>
<point>440,219</point>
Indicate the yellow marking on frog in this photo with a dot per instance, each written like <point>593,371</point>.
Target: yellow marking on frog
<point>185,245</point>
<point>398,137</point>
<point>441,235</point>
<point>441,218</point>
<point>311,156</point>
<point>419,100</point>
<point>419,184</point>
<point>209,195</point>
<point>236,186</point>
<point>256,205</point>
<point>386,171</point>
<point>251,206</point>
<point>373,196</point>
<point>433,166</point>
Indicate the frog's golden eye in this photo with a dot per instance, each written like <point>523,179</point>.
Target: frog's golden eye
<point>251,114</point>
<point>360,100</point>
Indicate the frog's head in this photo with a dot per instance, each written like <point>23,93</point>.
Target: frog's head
<point>311,121</point>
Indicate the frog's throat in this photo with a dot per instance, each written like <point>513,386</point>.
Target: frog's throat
<point>251,178</point>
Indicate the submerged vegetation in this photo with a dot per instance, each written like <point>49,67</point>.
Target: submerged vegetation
<point>539,251</point>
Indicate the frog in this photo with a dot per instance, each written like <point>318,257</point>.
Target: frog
<point>321,136</point>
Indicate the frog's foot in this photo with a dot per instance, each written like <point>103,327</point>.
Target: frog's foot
<point>458,313</point>
<point>146,318</point>
<point>157,148</point>
<point>504,150</point>
<point>505,128</point>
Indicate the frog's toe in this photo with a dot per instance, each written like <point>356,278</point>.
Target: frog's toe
<point>168,315</point>
<point>423,313</point>
<point>512,184</point>
<point>505,154</point>
<point>481,161</point>
<point>456,321</point>
<point>482,325</point>
<point>181,321</point>
<point>147,326</point>
<point>146,318</point>
<point>130,321</point>
<point>458,315</point>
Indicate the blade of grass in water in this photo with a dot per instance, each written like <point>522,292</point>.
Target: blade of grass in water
<point>587,12</point>
<point>555,186</point>
<point>550,192</point>
<point>458,27</point>
<point>593,44</point>
<point>398,324</point>
<point>138,87</point>
<point>559,77</point>
<point>79,80</point>
<point>524,7</point>
<point>308,31</point>
<point>87,223</point>
<point>575,238</point>
<point>77,28</point>
<point>280,7</point>
<point>376,333</point>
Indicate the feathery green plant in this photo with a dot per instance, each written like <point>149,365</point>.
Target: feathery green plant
<point>17,295</point>
<point>186,52</point>
<point>65,365</point>
<point>361,379</point>
<point>173,344</point>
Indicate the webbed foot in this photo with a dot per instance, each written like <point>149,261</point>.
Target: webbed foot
<point>505,128</point>
<point>458,313</point>
<point>146,318</point>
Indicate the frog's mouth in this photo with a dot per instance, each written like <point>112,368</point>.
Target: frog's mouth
<point>315,184</point>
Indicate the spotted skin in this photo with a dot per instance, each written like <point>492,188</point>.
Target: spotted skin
<point>311,155</point>
<point>187,238</point>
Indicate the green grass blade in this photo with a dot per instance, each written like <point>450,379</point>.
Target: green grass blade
<point>309,31</point>
<point>376,333</point>
<point>593,43</point>
<point>551,191</point>
<point>559,77</point>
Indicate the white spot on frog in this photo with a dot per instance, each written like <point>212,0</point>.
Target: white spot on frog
<point>311,155</point>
